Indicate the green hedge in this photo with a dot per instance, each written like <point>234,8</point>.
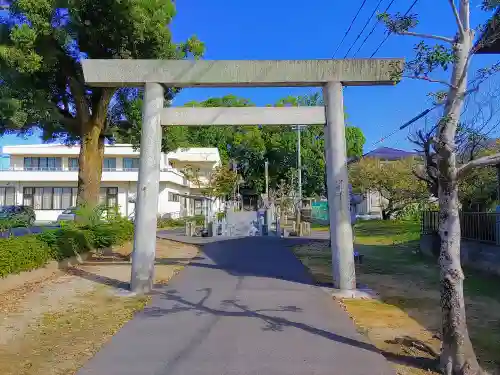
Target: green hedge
<point>172,223</point>
<point>18,254</point>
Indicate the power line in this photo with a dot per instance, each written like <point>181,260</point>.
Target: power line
<point>364,27</point>
<point>389,33</point>
<point>404,126</point>
<point>372,30</point>
<point>408,123</point>
<point>350,26</point>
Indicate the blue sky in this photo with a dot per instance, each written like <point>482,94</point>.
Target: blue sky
<point>293,29</point>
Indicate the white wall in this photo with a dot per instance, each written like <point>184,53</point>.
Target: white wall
<point>372,204</point>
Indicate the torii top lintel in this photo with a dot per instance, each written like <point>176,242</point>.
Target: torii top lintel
<point>240,73</point>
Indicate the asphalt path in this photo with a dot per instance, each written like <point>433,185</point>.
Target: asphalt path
<point>244,306</point>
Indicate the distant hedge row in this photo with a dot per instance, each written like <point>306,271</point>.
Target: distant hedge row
<point>18,254</point>
<point>172,223</point>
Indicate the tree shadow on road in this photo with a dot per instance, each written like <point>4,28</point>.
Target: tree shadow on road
<point>235,308</point>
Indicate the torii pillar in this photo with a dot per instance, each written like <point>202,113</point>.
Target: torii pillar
<point>331,75</point>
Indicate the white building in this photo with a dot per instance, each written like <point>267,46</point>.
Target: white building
<point>45,177</point>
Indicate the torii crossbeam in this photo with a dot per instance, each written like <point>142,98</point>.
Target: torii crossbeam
<point>153,75</point>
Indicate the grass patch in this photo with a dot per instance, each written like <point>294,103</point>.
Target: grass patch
<point>406,322</point>
<point>59,342</point>
<point>62,342</point>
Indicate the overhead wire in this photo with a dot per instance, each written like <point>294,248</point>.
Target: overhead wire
<point>420,115</point>
<point>350,27</point>
<point>364,27</point>
<point>389,33</point>
<point>373,29</point>
<point>408,123</point>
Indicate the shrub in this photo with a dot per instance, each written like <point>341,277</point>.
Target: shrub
<point>18,254</point>
<point>170,223</point>
<point>199,219</point>
<point>111,233</point>
<point>174,223</point>
<point>67,242</point>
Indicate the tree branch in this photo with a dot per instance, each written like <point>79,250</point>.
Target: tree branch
<point>427,36</point>
<point>428,79</point>
<point>457,17</point>
<point>485,161</point>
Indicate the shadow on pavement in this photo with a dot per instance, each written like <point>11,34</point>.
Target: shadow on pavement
<point>242,257</point>
<point>270,322</point>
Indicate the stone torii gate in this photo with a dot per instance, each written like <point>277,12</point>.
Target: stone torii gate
<point>154,75</point>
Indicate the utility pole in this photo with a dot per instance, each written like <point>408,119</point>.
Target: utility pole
<point>299,166</point>
<point>299,179</point>
<point>266,173</point>
<point>299,128</point>
<point>268,215</point>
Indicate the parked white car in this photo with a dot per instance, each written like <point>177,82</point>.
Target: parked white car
<point>67,215</point>
<point>368,217</point>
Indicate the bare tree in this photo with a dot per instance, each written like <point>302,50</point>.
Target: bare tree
<point>455,51</point>
<point>474,134</point>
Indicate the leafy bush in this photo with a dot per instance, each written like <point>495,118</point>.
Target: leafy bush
<point>413,212</point>
<point>89,216</point>
<point>199,219</point>
<point>20,254</point>
<point>174,223</point>
<point>72,241</point>
<point>112,233</point>
<point>26,253</point>
<point>169,223</point>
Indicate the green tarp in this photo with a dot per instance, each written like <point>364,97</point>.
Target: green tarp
<point>319,211</point>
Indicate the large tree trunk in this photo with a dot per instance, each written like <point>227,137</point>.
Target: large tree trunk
<point>457,356</point>
<point>91,161</point>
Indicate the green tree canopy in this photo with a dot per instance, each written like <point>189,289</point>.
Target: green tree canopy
<point>41,45</point>
<point>250,146</point>
<point>394,181</point>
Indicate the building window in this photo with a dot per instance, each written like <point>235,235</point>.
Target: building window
<point>198,207</point>
<point>28,197</point>
<point>109,196</point>
<point>173,197</point>
<point>73,164</point>
<point>49,198</point>
<point>42,164</point>
<point>130,164</point>
<point>109,164</point>
<point>66,197</point>
<point>7,196</point>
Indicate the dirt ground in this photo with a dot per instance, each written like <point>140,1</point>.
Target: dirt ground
<point>405,323</point>
<point>53,326</point>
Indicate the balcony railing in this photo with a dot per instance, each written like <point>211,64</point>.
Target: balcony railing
<point>185,181</point>
<point>70,169</point>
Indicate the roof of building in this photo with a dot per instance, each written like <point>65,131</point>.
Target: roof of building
<point>389,153</point>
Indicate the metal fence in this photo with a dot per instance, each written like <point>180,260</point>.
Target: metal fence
<point>474,226</point>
